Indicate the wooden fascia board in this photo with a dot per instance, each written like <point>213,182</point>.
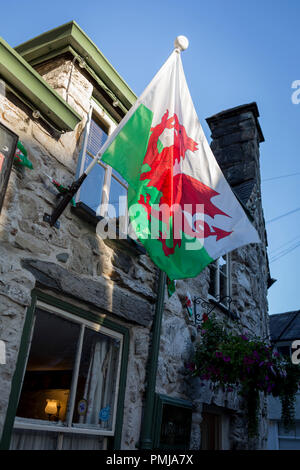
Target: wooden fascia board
<point>28,83</point>
<point>70,34</point>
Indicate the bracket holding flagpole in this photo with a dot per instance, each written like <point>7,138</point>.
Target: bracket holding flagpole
<point>69,194</point>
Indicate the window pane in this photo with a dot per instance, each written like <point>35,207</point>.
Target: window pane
<point>223,287</point>
<point>48,375</point>
<point>117,190</point>
<point>96,390</point>
<point>223,264</point>
<point>91,189</point>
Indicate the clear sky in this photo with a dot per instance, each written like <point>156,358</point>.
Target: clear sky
<point>240,51</point>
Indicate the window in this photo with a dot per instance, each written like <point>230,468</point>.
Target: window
<point>220,283</point>
<point>172,421</point>
<point>69,393</point>
<point>103,185</point>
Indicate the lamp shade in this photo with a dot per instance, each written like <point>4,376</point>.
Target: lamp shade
<point>51,407</point>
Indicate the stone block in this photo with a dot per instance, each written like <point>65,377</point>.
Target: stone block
<point>29,243</point>
<point>237,137</point>
<point>101,294</point>
<point>122,260</point>
<point>62,257</point>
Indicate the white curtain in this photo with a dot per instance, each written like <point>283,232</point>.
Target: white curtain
<point>41,440</point>
<point>96,390</point>
<point>33,440</point>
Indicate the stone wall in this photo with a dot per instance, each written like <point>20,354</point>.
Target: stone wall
<point>80,267</point>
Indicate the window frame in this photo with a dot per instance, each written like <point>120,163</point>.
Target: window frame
<point>39,300</point>
<point>108,126</point>
<point>217,283</point>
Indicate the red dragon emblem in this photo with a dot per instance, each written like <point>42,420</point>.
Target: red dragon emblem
<point>179,190</point>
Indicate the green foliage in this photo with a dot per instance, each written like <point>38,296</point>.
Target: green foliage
<point>232,360</point>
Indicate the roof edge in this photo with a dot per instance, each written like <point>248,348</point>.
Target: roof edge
<point>27,83</point>
<point>36,50</point>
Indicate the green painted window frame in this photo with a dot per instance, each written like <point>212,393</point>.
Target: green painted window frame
<point>51,300</point>
<point>159,401</point>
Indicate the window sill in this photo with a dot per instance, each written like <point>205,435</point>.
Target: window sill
<point>38,425</point>
<point>88,215</point>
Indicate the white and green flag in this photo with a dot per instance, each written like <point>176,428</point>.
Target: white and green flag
<point>180,205</point>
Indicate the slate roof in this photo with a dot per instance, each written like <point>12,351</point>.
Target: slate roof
<point>285,326</point>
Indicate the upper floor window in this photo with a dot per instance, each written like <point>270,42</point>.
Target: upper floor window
<point>220,282</point>
<point>103,187</point>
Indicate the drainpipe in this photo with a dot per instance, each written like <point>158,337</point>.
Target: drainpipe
<point>146,432</point>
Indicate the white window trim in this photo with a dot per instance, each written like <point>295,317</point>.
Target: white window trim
<point>68,427</point>
<point>217,280</point>
<point>95,109</point>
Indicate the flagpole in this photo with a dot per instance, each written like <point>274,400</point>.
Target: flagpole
<point>146,438</point>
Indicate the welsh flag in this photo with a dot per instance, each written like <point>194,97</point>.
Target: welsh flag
<point>180,205</point>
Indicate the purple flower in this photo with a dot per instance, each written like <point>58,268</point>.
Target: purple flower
<point>248,360</point>
<point>261,363</point>
<point>244,337</point>
<point>203,332</point>
<point>226,359</point>
<point>266,377</point>
<point>219,354</point>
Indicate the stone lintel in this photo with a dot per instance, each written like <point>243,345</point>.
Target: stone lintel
<point>101,294</point>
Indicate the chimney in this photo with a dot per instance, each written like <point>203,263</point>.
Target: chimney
<point>236,135</point>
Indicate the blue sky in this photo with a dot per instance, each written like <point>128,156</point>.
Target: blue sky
<point>240,51</point>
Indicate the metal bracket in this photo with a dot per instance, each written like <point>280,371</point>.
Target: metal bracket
<point>47,218</point>
<point>64,201</point>
<point>209,305</point>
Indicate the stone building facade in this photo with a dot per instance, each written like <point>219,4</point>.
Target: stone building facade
<point>112,282</point>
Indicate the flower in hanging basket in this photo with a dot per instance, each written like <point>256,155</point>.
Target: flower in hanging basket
<point>249,363</point>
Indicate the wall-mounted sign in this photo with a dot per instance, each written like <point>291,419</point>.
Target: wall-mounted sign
<point>8,143</point>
